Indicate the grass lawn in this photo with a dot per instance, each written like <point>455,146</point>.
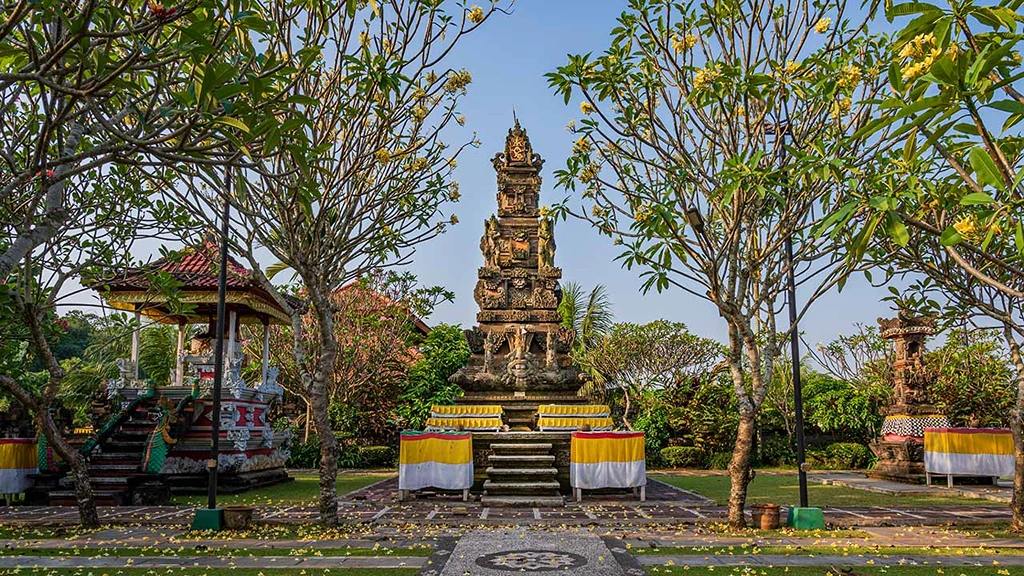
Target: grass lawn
<point>826,571</point>
<point>867,551</point>
<point>784,489</point>
<point>193,552</point>
<point>207,572</point>
<point>303,490</point>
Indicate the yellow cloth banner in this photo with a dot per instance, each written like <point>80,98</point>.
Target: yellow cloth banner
<point>593,448</point>
<point>574,423</point>
<point>554,410</point>
<point>18,454</point>
<point>467,423</point>
<point>440,448</point>
<point>968,441</point>
<point>447,411</point>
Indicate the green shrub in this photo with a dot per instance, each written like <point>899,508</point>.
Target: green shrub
<point>377,456</point>
<point>848,456</point>
<point>682,457</point>
<point>775,451</point>
<point>305,455</point>
<point>720,460</point>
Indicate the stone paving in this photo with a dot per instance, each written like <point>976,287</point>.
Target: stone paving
<point>428,512</point>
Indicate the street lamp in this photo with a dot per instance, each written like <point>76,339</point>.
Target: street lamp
<point>211,517</point>
<point>804,516</point>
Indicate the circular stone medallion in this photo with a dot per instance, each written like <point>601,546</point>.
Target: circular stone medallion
<point>531,560</point>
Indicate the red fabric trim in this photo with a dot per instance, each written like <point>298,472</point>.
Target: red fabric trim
<point>435,435</point>
<point>968,430</point>
<point>604,435</point>
<point>17,441</point>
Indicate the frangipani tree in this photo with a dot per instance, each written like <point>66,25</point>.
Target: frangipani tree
<point>371,176</point>
<point>710,135</point>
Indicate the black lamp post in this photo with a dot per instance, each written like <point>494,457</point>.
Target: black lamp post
<point>212,518</point>
<point>803,517</point>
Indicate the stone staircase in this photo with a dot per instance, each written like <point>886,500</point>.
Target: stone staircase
<point>521,474</point>
<point>115,466</point>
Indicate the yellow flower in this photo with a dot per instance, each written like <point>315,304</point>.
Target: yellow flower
<point>822,26</point>
<point>382,155</point>
<point>364,38</point>
<point>684,43</point>
<point>849,77</point>
<point>419,113</point>
<point>705,77</point>
<point>581,146</point>
<point>586,107</point>
<point>457,81</point>
<point>475,15</point>
<point>544,211</point>
<point>841,106</point>
<point>454,219</point>
<point>917,46</point>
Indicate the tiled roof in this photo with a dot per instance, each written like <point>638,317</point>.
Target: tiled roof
<point>195,267</point>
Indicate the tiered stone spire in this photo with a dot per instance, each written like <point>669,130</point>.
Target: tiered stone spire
<point>519,346</point>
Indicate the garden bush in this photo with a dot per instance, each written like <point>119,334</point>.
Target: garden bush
<point>720,460</point>
<point>849,455</point>
<point>305,455</point>
<point>775,451</point>
<point>377,456</point>
<point>682,457</point>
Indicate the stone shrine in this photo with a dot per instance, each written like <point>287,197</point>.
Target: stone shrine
<point>520,349</point>
<point>900,448</point>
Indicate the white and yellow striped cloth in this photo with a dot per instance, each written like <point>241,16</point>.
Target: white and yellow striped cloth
<point>559,424</point>
<point>476,424</point>
<point>463,411</point>
<point>435,460</point>
<point>969,451</point>
<point>607,460</point>
<point>18,458</point>
<point>570,411</point>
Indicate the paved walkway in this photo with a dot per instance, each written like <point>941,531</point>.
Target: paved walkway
<point>427,512</point>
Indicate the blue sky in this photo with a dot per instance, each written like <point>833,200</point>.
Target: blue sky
<point>508,58</point>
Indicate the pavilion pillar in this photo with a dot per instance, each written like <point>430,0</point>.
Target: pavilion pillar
<point>136,339</point>
<point>232,327</point>
<point>179,364</point>
<point>266,349</point>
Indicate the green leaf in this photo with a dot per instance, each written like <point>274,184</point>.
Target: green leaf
<point>976,199</point>
<point>275,269</point>
<point>233,122</point>
<point>950,237</point>
<point>984,167</point>
<point>896,229</point>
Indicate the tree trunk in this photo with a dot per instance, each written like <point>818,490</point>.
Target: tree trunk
<point>1017,428</point>
<point>88,516</point>
<point>328,456</point>
<point>739,470</point>
<point>309,419</point>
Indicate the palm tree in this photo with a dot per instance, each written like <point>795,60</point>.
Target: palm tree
<point>590,315</point>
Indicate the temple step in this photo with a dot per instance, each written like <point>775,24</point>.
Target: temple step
<point>522,449</point>
<point>517,474</point>
<point>523,501</point>
<point>516,488</point>
<point>521,460</point>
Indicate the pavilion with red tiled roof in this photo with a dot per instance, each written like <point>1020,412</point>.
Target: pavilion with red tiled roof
<point>195,269</point>
<point>193,300</point>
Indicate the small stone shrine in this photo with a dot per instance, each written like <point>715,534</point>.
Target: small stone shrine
<point>900,448</point>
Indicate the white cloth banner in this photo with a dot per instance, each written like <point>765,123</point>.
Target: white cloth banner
<point>16,480</point>
<point>608,475</point>
<point>969,464</point>
<point>435,475</point>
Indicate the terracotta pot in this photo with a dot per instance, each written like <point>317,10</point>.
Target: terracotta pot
<point>765,516</point>
<point>238,517</point>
